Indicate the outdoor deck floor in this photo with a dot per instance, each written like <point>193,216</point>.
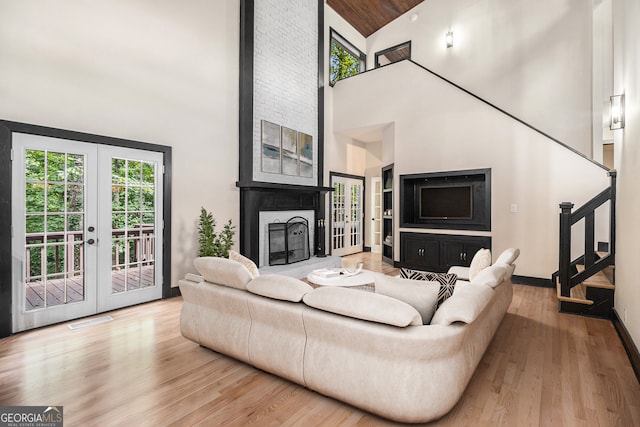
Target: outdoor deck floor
<point>35,292</point>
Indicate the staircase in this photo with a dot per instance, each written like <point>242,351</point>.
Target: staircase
<point>585,285</point>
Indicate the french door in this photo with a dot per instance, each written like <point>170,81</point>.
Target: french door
<point>376,215</point>
<point>87,229</point>
<point>347,211</point>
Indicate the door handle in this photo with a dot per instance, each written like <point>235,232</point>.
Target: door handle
<point>90,242</point>
<point>91,229</point>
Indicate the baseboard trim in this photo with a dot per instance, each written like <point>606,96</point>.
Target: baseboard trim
<point>532,281</point>
<point>627,343</point>
<point>175,292</point>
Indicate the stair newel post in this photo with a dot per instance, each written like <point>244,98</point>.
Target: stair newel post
<point>565,248</point>
<point>612,217</point>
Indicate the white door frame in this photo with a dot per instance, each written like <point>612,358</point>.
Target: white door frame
<point>348,245</point>
<point>107,299</point>
<point>23,318</point>
<point>376,215</point>
<point>9,131</point>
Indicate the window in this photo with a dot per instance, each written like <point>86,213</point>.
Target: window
<point>393,54</point>
<point>345,60</point>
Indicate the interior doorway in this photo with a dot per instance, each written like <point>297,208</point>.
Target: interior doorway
<point>347,214</point>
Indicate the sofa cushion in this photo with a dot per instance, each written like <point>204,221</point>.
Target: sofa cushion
<point>223,271</point>
<point>508,256</point>
<point>466,303</point>
<point>447,281</point>
<point>249,265</point>
<point>423,295</point>
<point>460,271</point>
<point>363,305</point>
<point>279,287</point>
<point>491,276</point>
<point>480,261</point>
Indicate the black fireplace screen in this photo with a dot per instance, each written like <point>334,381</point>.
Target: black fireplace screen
<point>289,241</point>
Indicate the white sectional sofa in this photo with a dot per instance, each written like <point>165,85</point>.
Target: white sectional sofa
<point>366,349</point>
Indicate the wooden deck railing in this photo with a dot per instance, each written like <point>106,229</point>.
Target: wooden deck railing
<point>66,260</point>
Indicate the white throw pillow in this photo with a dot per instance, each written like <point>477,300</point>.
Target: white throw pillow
<point>480,261</point>
<point>223,271</point>
<point>466,303</point>
<point>279,287</point>
<point>491,276</point>
<point>249,265</point>
<point>363,305</point>
<point>420,294</point>
<point>508,256</point>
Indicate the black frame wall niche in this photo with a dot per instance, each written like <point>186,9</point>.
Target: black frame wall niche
<point>7,128</point>
<point>478,182</point>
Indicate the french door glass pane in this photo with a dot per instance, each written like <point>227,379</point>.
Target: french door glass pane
<point>54,211</point>
<point>133,225</point>
<point>339,215</point>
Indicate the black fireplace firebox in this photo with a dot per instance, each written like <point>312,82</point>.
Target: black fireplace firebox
<point>289,241</point>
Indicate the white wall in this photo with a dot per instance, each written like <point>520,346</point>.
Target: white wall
<point>439,128</point>
<point>158,71</point>
<point>532,59</point>
<point>335,146</point>
<point>627,159</point>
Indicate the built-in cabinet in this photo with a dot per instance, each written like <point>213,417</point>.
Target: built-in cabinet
<point>387,214</point>
<point>438,252</point>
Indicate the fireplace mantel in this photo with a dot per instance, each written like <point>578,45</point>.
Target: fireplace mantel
<point>258,186</point>
<point>264,196</point>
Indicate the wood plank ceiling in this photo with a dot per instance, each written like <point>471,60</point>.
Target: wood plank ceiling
<point>368,16</point>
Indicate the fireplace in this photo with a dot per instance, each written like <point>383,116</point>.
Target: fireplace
<point>289,241</point>
<point>269,220</point>
<point>264,203</point>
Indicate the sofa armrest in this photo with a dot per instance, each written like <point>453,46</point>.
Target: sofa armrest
<point>461,272</point>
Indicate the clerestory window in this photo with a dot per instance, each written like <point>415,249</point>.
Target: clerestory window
<point>345,59</point>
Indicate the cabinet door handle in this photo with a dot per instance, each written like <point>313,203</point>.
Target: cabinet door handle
<point>465,256</point>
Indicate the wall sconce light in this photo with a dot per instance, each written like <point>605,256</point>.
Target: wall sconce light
<point>449,39</point>
<point>616,103</point>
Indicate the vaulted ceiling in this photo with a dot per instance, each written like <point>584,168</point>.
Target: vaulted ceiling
<point>368,16</point>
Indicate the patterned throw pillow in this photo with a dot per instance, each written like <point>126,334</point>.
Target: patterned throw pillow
<point>447,281</point>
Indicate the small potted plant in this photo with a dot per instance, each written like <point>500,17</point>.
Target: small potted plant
<point>211,242</point>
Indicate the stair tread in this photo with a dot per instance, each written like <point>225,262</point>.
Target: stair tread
<point>577,295</point>
<point>598,280</point>
<point>602,254</point>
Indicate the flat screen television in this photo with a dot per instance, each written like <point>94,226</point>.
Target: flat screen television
<point>445,202</point>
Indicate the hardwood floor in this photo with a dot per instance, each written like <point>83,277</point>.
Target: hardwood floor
<point>541,369</point>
